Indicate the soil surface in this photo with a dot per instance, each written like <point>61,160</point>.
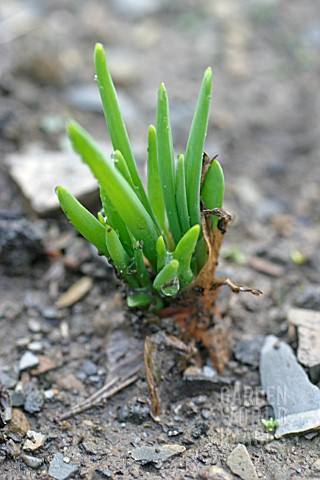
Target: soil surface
<point>265,127</point>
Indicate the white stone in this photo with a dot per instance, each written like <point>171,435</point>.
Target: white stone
<point>38,172</point>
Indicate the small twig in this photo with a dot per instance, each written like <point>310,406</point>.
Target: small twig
<point>218,212</point>
<point>218,282</point>
<point>105,392</point>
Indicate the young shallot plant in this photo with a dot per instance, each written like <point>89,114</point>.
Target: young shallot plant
<point>163,243</point>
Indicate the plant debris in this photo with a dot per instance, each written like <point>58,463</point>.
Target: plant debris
<point>75,293</point>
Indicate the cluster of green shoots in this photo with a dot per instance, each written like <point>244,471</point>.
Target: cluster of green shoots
<point>154,240</point>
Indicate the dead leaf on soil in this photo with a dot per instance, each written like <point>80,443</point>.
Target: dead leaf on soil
<point>75,293</point>
<point>45,365</point>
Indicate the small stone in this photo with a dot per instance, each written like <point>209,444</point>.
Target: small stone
<point>22,342</point>
<point>316,464</point>
<point>49,394</point>
<point>28,360</point>
<point>205,414</point>
<point>70,382</point>
<point>7,380</point>
<point>295,400</point>
<point>214,473</point>
<point>90,446</point>
<point>35,346</point>
<point>24,170</point>
<point>34,325</point>
<point>240,463</point>
<point>310,298</point>
<point>21,243</point>
<point>134,412</point>
<point>89,367</point>
<point>19,423</point>
<point>34,402</point>
<point>261,438</point>
<point>51,313</point>
<point>18,398</point>
<point>308,325</point>
<point>247,350</point>
<point>135,9</point>
<point>32,462</point>
<point>199,430</point>
<point>34,441</point>
<point>156,455</point>
<point>60,470</point>
<point>101,473</point>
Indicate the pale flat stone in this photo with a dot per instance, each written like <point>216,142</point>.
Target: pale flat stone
<point>156,455</point>
<point>295,400</point>
<point>38,172</point>
<point>35,440</point>
<point>308,325</point>
<point>240,463</point>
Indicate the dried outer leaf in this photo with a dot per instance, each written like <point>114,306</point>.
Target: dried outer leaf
<point>206,277</point>
<point>122,167</point>
<point>166,162</point>
<point>89,227</point>
<point>212,191</point>
<point>75,293</point>
<point>119,257</point>
<point>128,205</point>
<point>183,253</point>
<point>163,257</point>
<point>181,195</point>
<point>115,122</point>
<point>154,185</point>
<point>195,146</point>
<point>167,281</point>
<point>116,222</point>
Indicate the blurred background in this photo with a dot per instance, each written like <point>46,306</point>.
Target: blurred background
<point>265,112</point>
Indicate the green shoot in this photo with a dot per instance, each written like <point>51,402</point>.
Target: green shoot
<point>270,424</point>
<point>195,147</point>
<point>153,240</point>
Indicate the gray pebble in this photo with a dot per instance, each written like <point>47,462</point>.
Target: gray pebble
<point>32,462</point>
<point>89,367</point>
<point>28,360</point>
<point>34,402</point>
<point>59,469</point>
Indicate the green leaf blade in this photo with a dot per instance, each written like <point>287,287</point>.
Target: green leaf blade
<point>181,195</point>
<point>116,222</point>
<point>166,162</point>
<point>195,147</point>
<point>115,123</point>
<point>183,253</point>
<point>167,281</point>
<point>119,256</point>
<point>154,184</point>
<point>89,227</point>
<point>136,217</point>
<point>212,191</point>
